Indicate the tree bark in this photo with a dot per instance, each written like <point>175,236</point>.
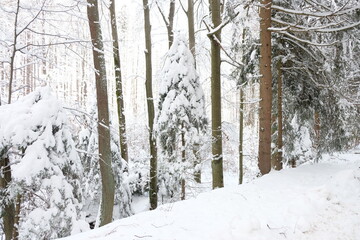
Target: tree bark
<point>8,214</point>
<point>13,54</point>
<point>150,106</point>
<point>265,89</point>
<point>278,163</point>
<point>118,81</point>
<point>107,178</point>
<point>317,127</point>
<point>170,27</point>
<point>191,29</point>
<point>17,217</point>
<point>241,136</point>
<point>183,155</point>
<point>217,161</point>
<point>169,22</point>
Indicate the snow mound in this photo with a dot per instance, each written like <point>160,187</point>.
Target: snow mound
<point>311,202</point>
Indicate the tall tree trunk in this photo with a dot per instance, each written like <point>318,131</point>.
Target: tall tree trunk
<point>150,106</point>
<point>241,119</point>
<point>14,50</point>
<point>278,163</point>
<point>191,29</point>
<point>170,27</point>
<point>107,178</point>
<point>118,80</point>
<point>8,214</point>
<point>265,89</point>
<point>217,161</point>
<point>241,136</point>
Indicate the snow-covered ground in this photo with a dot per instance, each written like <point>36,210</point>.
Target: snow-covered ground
<point>320,202</point>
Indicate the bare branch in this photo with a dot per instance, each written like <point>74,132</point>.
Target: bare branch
<point>32,20</point>
<point>162,15</point>
<point>183,8</point>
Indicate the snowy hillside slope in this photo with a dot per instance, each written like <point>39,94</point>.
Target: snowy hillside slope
<point>317,202</point>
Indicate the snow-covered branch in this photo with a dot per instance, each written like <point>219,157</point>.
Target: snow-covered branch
<point>316,14</point>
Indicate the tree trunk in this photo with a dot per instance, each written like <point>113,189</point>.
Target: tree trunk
<point>278,163</point>
<point>317,127</point>
<point>118,80</point>
<point>191,29</point>
<point>17,218</point>
<point>241,136</point>
<point>107,178</point>
<point>197,167</point>
<point>170,26</point>
<point>265,89</point>
<point>217,161</point>
<point>183,155</point>
<point>150,106</point>
<point>8,214</point>
<point>241,119</point>
<point>13,54</point>
<point>169,22</point>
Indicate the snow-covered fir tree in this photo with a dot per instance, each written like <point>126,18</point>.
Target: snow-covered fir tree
<point>45,167</point>
<point>181,114</point>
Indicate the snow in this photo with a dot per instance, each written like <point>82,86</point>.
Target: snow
<point>35,136</point>
<point>320,201</point>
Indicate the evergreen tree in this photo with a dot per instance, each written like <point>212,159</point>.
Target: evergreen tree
<point>317,104</point>
<point>46,170</point>
<point>181,110</point>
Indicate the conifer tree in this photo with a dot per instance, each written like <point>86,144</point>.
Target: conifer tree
<point>46,170</point>
<point>181,117</point>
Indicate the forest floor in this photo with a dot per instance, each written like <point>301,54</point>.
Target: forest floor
<point>318,201</point>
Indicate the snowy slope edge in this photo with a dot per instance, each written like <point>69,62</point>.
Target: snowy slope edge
<point>311,202</point>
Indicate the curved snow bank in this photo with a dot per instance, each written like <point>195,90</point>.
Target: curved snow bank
<point>311,202</point>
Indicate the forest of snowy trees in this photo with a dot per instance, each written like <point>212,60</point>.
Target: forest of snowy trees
<point>109,108</point>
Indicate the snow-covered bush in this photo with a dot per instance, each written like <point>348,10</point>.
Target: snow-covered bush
<point>46,170</point>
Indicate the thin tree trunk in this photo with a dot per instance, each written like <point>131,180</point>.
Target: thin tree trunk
<point>169,22</point>
<point>217,161</point>
<point>118,80</point>
<point>183,155</point>
<point>317,127</point>
<point>278,163</point>
<point>241,136</point>
<point>265,89</point>
<point>8,214</point>
<point>150,106</point>
<point>17,218</point>
<point>241,120</point>
<point>107,178</point>
<point>9,209</point>
<point>197,171</point>
<point>13,54</point>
